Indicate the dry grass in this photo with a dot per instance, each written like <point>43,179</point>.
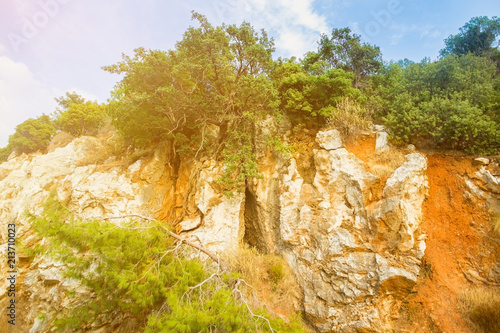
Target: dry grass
<point>61,139</point>
<point>481,308</point>
<point>271,278</point>
<point>383,164</point>
<point>496,226</point>
<point>349,119</point>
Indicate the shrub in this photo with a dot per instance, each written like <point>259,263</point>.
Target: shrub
<point>32,135</point>
<point>82,119</point>
<point>349,118</point>
<point>270,277</point>
<point>156,287</point>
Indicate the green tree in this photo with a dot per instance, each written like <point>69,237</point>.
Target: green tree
<point>312,95</point>
<point>478,36</point>
<point>156,289</point>
<point>32,135</point>
<point>344,50</point>
<point>82,118</point>
<point>216,76</point>
<point>4,153</point>
<point>65,101</point>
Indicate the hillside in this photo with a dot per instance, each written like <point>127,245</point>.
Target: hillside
<point>384,252</point>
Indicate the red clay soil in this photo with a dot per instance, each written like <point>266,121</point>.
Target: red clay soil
<point>456,242</point>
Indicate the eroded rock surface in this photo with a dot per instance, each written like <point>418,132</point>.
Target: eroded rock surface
<point>353,243</point>
<point>354,254</point>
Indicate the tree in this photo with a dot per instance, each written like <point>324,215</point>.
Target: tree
<point>32,135</point>
<point>451,103</point>
<point>343,50</point>
<point>82,118</point>
<point>215,76</point>
<point>65,101</point>
<point>309,96</point>
<point>478,36</point>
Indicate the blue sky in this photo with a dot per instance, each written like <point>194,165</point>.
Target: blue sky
<point>48,47</point>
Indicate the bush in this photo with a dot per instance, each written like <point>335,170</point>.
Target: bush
<point>451,104</point>
<point>82,119</point>
<point>32,135</point>
<point>481,308</point>
<point>271,278</point>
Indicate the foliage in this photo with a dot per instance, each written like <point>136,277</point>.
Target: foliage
<point>451,103</point>
<point>65,101</point>
<point>216,76</point>
<point>269,275</point>
<point>344,50</point>
<point>477,36</point>
<point>309,96</point>
<point>82,118</point>
<point>32,135</point>
<point>481,308</point>
<point>135,272</point>
<point>4,153</point>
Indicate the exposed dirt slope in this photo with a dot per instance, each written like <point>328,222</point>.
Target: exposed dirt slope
<point>457,244</point>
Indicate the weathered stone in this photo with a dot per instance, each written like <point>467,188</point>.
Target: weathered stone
<point>329,140</point>
<point>382,141</point>
<point>191,224</point>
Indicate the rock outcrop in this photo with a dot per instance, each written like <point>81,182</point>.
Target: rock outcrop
<point>354,253</point>
<point>353,243</point>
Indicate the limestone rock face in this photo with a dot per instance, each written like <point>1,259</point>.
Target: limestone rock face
<point>353,243</point>
<point>25,184</point>
<point>353,253</point>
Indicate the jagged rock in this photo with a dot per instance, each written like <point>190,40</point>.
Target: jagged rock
<point>329,237</point>
<point>352,243</point>
<point>191,224</point>
<point>329,140</point>
<point>25,184</point>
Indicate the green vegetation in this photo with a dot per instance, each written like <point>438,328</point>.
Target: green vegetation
<point>32,135</point>
<point>82,119</point>
<point>451,103</point>
<point>477,37</point>
<point>209,94</point>
<point>156,289</point>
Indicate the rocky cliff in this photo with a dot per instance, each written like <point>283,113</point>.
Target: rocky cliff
<point>355,241</point>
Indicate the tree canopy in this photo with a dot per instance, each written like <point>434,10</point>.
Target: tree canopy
<point>32,135</point>
<point>82,118</point>
<point>479,36</point>
<point>344,50</point>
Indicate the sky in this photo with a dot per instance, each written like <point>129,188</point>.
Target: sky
<point>49,47</point>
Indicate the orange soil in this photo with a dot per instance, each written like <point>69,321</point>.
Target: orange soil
<point>455,228</point>
<point>362,146</point>
<point>457,240</point>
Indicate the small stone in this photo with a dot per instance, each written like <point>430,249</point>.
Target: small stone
<point>411,147</point>
<point>481,161</point>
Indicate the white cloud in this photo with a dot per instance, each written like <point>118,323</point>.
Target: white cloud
<point>295,25</point>
<point>21,96</point>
